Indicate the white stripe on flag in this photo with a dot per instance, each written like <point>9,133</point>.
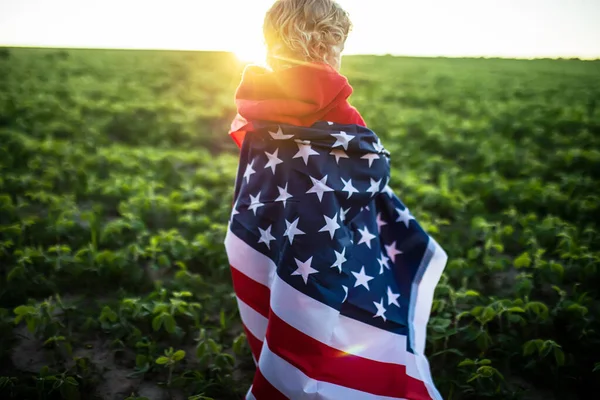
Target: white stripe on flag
<point>247,260</point>
<point>249,395</point>
<point>423,287</point>
<point>256,323</point>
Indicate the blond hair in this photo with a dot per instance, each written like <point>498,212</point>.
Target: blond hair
<point>305,31</point>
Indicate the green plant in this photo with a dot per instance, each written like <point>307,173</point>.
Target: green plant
<point>169,360</point>
<point>484,379</point>
<point>543,348</point>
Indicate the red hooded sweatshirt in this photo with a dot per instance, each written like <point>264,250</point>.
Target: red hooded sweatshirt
<point>299,96</point>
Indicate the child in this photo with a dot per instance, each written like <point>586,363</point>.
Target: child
<point>305,40</point>
<point>334,277</point>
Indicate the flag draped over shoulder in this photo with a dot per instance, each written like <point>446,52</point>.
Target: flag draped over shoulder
<point>334,276</point>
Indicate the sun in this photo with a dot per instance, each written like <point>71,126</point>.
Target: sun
<point>249,52</point>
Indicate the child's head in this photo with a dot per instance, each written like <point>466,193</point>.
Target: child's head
<point>305,31</point>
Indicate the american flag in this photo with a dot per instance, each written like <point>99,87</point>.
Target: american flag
<point>333,276</point>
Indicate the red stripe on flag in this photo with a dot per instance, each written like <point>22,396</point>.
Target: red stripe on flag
<point>263,390</point>
<point>327,364</point>
<point>251,292</point>
<point>254,343</point>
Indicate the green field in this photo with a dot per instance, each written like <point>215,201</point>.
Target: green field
<point>116,179</point>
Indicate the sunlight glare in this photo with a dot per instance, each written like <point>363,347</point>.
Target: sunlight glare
<point>250,47</point>
<point>251,52</point>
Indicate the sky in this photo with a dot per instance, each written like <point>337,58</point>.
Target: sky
<point>488,28</point>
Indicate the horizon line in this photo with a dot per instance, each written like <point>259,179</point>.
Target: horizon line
<point>399,55</point>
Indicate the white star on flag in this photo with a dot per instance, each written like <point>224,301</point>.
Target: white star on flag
<point>340,258</point>
<point>392,251</point>
<point>255,203</point>
<point>392,297</point>
<point>374,188</point>
<point>366,236</point>
<point>380,222</point>
<point>304,151</point>
<point>370,157</point>
<point>304,269</point>
<point>362,279</point>
<point>346,291</point>
<point>348,187</point>
<point>380,309</point>
<point>378,146</point>
<point>283,194</point>
<point>279,135</point>
<point>342,139</point>
<point>338,153</point>
<point>331,225</point>
<point>249,171</point>
<point>266,237</point>
<point>319,187</point>
<point>292,230</point>
<point>404,216</point>
<point>383,262</point>
<point>273,160</point>
<point>343,213</point>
